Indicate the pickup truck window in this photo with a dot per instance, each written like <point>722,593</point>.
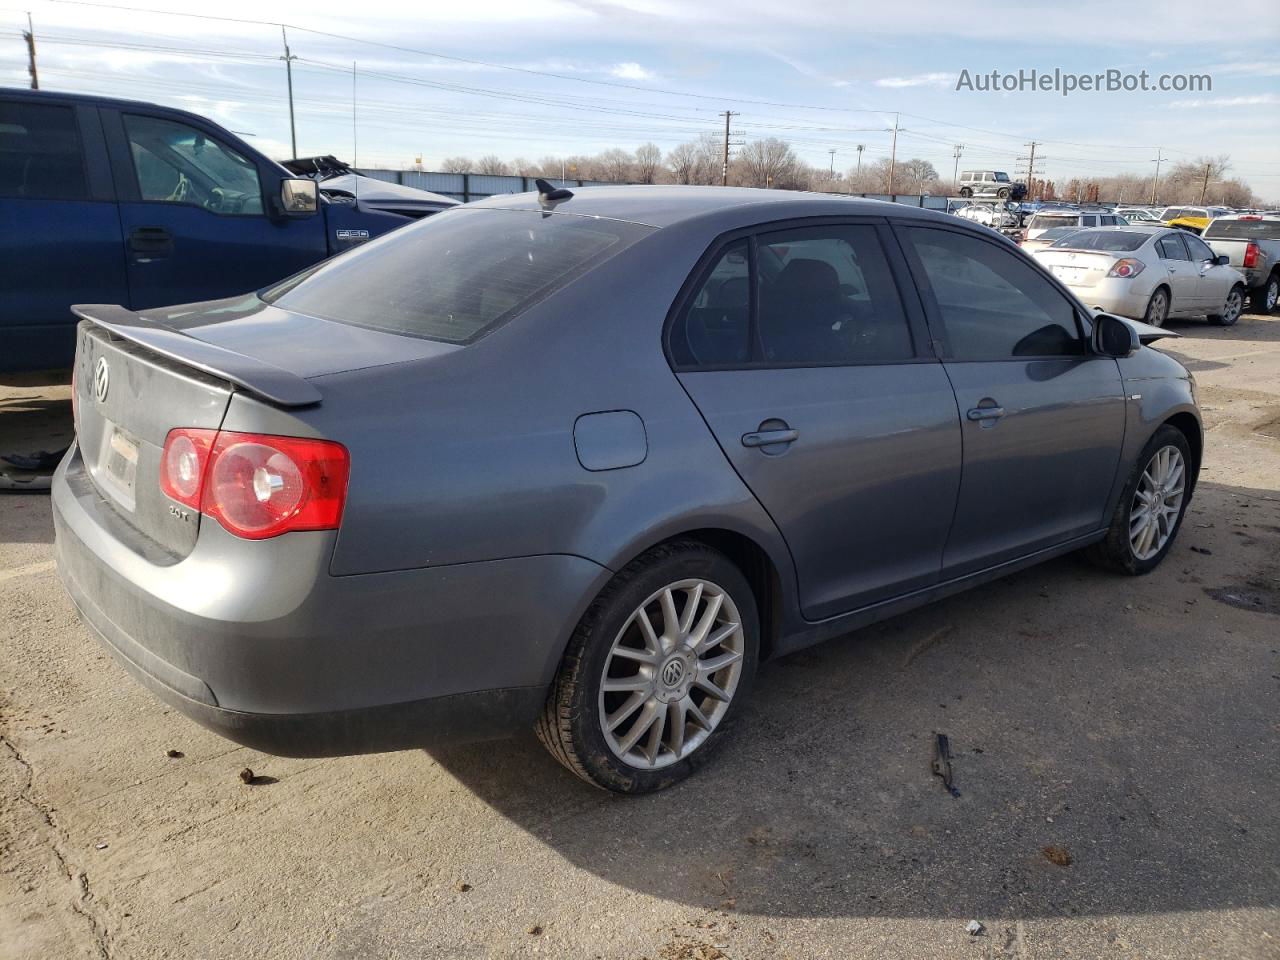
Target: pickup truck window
<point>1243,230</point>
<point>175,163</point>
<point>40,153</point>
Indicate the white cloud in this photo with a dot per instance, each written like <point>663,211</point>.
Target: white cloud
<point>631,71</point>
<point>918,80</point>
<point>1257,100</point>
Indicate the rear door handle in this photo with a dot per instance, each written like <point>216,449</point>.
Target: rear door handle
<point>153,241</point>
<point>765,438</point>
<point>985,413</point>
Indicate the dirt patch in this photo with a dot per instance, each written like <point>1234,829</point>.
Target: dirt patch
<point>1257,596</point>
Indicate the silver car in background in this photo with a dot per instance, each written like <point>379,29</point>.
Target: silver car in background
<point>1147,273</point>
<point>1071,218</point>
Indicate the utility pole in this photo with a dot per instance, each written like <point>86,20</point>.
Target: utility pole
<point>29,35</point>
<point>832,171</point>
<point>1156,179</point>
<point>893,153</point>
<point>1204,188</point>
<point>288,59</point>
<point>858,169</point>
<point>1030,160</point>
<point>955,172</point>
<point>724,169</point>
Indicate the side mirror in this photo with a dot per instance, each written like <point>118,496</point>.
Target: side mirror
<point>1222,261</point>
<point>299,197</point>
<point>1114,337</point>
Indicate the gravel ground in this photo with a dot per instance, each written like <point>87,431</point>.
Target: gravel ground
<point>1131,726</point>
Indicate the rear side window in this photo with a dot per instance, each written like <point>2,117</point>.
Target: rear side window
<point>826,295</point>
<point>40,153</point>
<point>993,306</point>
<point>457,275</point>
<point>1171,248</point>
<point>715,328</point>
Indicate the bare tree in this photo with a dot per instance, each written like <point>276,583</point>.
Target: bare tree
<point>614,165</point>
<point>766,163</point>
<point>682,162</point>
<point>456,165</point>
<point>647,161</point>
<point>491,164</point>
<point>522,167</point>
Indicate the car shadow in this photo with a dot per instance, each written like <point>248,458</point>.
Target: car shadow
<point>1250,328</point>
<point>1126,723</point>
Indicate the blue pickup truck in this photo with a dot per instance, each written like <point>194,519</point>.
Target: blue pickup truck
<point>114,201</point>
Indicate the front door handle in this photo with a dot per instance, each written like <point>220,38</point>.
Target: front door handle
<point>151,241</point>
<point>985,413</point>
<point>764,438</point>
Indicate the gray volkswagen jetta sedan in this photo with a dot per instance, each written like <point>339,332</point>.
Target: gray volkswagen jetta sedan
<point>580,461</point>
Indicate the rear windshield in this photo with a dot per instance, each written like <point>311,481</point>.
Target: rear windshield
<point>457,275</point>
<point>1057,233</point>
<point>1054,220</point>
<point>1243,230</point>
<point>1104,240</point>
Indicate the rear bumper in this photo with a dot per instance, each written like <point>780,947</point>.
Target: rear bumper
<point>1115,296</point>
<point>267,649</point>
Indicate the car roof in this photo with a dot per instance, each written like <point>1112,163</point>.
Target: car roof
<point>666,205</point>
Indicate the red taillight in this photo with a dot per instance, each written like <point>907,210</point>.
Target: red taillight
<point>257,486</point>
<point>1251,254</point>
<point>1126,267</point>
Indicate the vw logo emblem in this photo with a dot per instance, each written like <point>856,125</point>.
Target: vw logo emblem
<point>101,379</point>
<point>673,672</point>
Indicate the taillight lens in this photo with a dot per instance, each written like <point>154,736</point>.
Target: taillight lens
<point>1251,254</point>
<point>257,486</point>
<point>1126,267</point>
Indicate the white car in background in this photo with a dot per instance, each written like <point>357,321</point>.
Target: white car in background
<point>1071,218</point>
<point>1147,273</point>
<point>1138,215</point>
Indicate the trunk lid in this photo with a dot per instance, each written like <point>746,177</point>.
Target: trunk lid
<point>1077,268</point>
<point>140,375</point>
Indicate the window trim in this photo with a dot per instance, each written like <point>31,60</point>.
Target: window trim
<point>82,142</point>
<point>933,311</point>
<point>912,312</point>
<point>136,183</point>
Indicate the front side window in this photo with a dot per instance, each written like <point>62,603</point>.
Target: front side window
<point>826,295</point>
<point>40,153</point>
<point>1171,248</point>
<point>1198,249</point>
<point>992,305</point>
<point>457,275</point>
<point>175,163</point>
<point>1002,177</point>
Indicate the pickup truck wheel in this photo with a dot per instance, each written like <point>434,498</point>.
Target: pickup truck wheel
<point>1231,310</point>
<point>1151,507</point>
<point>656,671</point>
<point>1264,297</point>
<point>1157,308</point>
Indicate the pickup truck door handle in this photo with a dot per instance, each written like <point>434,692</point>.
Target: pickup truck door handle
<point>765,438</point>
<point>985,413</point>
<point>151,241</point>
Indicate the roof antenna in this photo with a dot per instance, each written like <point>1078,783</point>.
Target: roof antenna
<point>549,194</point>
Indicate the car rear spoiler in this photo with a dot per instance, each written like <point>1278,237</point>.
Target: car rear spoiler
<point>261,379</point>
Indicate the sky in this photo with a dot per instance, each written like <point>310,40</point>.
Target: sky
<point>384,82</point>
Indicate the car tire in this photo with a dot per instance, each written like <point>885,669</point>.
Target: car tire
<point>671,670</point>
<point>1265,297</point>
<point>1157,311</point>
<point>1124,550</point>
<point>1231,310</point>
<point>1003,193</point>
<point>966,192</point>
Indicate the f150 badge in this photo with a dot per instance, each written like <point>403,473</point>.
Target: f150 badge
<point>351,236</point>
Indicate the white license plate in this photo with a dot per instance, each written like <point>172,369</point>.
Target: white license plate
<point>121,466</point>
<point>1067,273</point>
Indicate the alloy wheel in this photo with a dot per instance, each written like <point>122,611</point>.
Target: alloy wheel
<point>671,674</point>
<point>1157,502</point>
<point>1231,309</point>
<point>1271,294</point>
<point>1158,309</point>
